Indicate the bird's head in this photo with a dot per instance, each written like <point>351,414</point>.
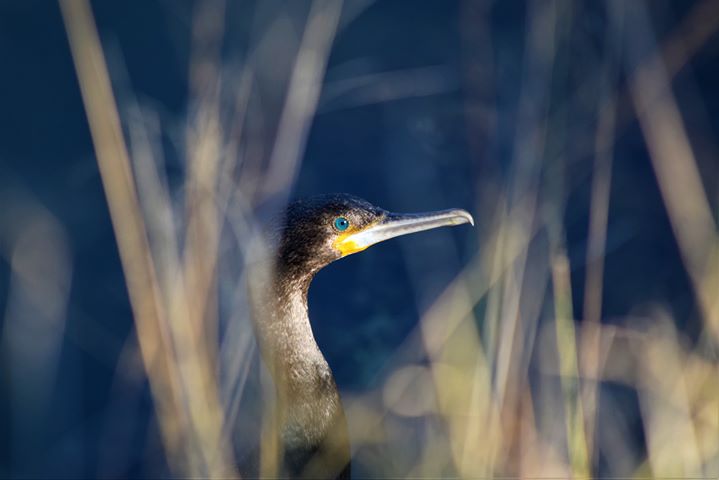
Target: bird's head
<point>319,230</point>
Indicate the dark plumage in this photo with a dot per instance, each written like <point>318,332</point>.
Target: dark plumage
<point>307,232</point>
<point>315,232</point>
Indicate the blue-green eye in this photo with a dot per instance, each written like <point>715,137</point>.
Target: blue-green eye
<point>341,224</point>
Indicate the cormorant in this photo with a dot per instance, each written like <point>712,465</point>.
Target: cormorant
<point>315,232</point>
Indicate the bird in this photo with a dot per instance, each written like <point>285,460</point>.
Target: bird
<point>314,232</point>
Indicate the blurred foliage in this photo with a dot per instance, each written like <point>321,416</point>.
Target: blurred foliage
<point>573,332</point>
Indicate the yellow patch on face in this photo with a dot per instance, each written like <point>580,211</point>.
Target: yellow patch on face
<point>344,243</point>
<point>346,246</point>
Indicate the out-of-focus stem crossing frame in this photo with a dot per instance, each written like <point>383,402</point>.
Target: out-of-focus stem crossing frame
<point>175,358</point>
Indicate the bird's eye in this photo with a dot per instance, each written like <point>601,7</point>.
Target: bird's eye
<point>341,224</point>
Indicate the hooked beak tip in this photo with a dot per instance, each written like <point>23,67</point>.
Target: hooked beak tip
<point>463,216</point>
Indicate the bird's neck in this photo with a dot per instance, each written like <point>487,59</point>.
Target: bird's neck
<point>292,337</point>
<point>311,422</point>
<point>309,401</point>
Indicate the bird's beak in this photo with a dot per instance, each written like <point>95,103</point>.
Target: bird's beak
<point>394,225</point>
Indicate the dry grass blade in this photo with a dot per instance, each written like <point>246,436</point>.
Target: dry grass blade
<point>186,410</point>
<point>678,176</point>
<point>302,95</point>
<point>596,245</point>
<point>568,365</point>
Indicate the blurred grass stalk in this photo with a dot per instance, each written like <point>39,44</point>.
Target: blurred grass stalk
<point>175,355</point>
<point>173,283</point>
<point>677,174</point>
<point>568,365</point>
<point>32,332</point>
<point>677,385</point>
<point>698,240</point>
